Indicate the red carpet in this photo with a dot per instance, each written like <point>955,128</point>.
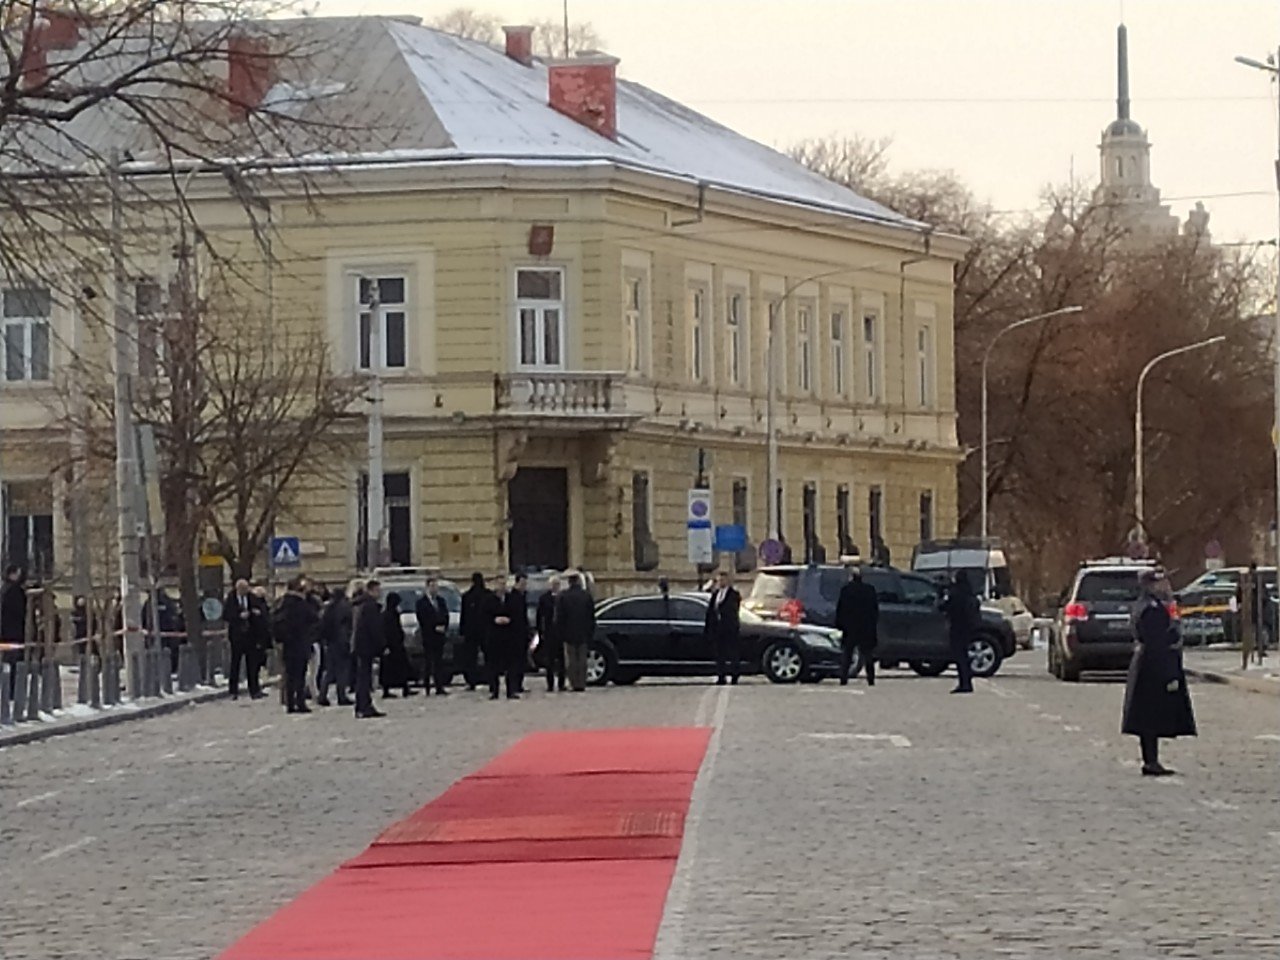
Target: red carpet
<point>561,848</point>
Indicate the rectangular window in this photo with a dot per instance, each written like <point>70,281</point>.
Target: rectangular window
<point>633,320</point>
<point>871,356</point>
<point>926,515</point>
<point>812,549</point>
<point>697,310</point>
<point>643,547</point>
<point>741,504</point>
<point>875,518</point>
<point>30,543</point>
<point>397,505</point>
<point>151,311</point>
<point>804,348</point>
<point>838,360</point>
<point>734,314</point>
<point>383,300</point>
<point>540,317</point>
<point>26,333</point>
<point>844,532</point>
<point>924,364</point>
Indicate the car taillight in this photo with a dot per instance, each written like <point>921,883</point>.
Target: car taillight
<point>1075,611</point>
<point>792,611</point>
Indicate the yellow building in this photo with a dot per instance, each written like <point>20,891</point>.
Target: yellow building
<point>576,279</point>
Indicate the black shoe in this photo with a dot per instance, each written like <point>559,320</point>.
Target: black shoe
<point>370,714</point>
<point>471,688</point>
<point>235,696</point>
<point>388,695</point>
<point>322,701</point>
<point>441,692</point>
<point>1156,770</point>
<point>493,696</point>
<point>513,696</point>
<point>721,682</point>
<point>409,693</point>
<point>963,690</point>
<point>258,696</point>
<point>303,709</point>
<point>734,681</point>
<point>844,681</point>
<point>344,702</point>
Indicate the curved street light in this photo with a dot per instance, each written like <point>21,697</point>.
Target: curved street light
<point>986,359</point>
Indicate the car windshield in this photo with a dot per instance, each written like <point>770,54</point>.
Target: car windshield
<point>1115,586</point>
<point>773,585</point>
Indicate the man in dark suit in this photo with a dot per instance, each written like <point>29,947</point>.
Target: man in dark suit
<point>519,634</point>
<point>246,618</point>
<point>858,617</point>
<point>433,626</point>
<point>13,619</point>
<point>722,627</point>
<point>475,627</point>
<point>550,636</point>
<point>576,622</point>
<point>368,642</point>
<point>498,614</point>
<point>964,612</point>
<point>294,627</point>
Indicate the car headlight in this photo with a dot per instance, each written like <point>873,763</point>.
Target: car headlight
<point>825,641</point>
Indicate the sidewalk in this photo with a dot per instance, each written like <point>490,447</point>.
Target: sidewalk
<point>1221,664</point>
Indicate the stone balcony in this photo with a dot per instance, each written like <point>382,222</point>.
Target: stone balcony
<point>555,396</point>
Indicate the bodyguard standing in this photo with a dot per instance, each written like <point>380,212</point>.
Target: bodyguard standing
<point>498,640</point>
<point>519,635</point>
<point>963,612</point>
<point>858,617</point>
<point>368,643</point>
<point>475,626</point>
<point>393,671</point>
<point>550,636</point>
<point>294,626</point>
<point>1156,701</point>
<point>335,635</point>
<point>576,621</point>
<point>722,627</point>
<point>245,619</point>
<point>433,628</point>
<point>13,619</point>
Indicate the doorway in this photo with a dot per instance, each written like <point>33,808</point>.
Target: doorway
<point>538,504</point>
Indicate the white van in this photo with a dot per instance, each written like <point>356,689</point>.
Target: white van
<point>984,565</point>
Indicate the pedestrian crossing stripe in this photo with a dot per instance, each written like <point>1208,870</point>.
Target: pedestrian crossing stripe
<point>286,552</point>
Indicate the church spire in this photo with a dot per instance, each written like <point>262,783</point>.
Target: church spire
<point>1122,73</point>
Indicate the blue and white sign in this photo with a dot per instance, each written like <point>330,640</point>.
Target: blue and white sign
<point>285,552</point>
<point>699,528</point>
<point>731,538</point>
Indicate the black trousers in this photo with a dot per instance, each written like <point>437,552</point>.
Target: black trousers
<point>468,656</point>
<point>557,671</point>
<point>964,669</point>
<point>336,670</point>
<point>295,678</point>
<point>244,650</point>
<point>499,658</point>
<point>433,650</point>
<point>846,661</point>
<point>1150,750</point>
<point>364,684</point>
<point>728,658</point>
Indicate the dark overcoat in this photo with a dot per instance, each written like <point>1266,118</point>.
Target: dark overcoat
<point>858,614</point>
<point>1151,708</point>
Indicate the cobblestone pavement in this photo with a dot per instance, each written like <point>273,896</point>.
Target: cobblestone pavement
<point>828,822</point>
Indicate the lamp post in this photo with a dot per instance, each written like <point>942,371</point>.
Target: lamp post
<point>1138,479</point>
<point>986,361</point>
<point>1273,67</point>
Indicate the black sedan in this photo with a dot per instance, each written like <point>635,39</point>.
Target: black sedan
<point>662,635</point>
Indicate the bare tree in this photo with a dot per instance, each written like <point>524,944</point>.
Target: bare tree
<point>548,34</point>
<point>470,24</point>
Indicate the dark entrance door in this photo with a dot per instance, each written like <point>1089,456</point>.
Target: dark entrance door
<point>538,501</point>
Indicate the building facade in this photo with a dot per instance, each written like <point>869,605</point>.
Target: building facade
<point>584,293</point>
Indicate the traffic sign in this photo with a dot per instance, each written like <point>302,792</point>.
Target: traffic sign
<point>730,538</point>
<point>285,552</point>
<point>211,609</point>
<point>772,551</point>
<point>1213,550</point>
<point>698,528</point>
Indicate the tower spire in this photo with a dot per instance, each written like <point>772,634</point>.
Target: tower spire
<point>1122,73</point>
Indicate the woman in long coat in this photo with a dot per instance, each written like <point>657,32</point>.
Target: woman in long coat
<point>393,669</point>
<point>1156,701</point>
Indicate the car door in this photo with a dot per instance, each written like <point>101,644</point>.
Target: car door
<point>895,619</point>
<point>691,649</point>
<point>637,628</point>
<point>928,634</point>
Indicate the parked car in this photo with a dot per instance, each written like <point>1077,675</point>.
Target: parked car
<point>662,635</point>
<point>984,564</point>
<point>1207,604</point>
<point>1093,629</point>
<point>913,628</point>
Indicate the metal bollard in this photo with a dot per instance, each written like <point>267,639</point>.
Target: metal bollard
<point>82,686</point>
<point>95,681</point>
<point>135,676</point>
<point>33,694</point>
<point>6,708</point>
<point>184,669</point>
<point>159,666</point>
<point>148,672</point>
<point>111,680</point>
<point>19,690</point>
<point>48,674</point>
<point>166,673</point>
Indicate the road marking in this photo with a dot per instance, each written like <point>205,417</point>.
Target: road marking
<point>257,730</point>
<point>894,738</point>
<point>1070,729</point>
<point>214,743</point>
<point>49,795</point>
<point>1268,736</point>
<point>670,940</point>
<point>169,756</point>
<point>70,847</point>
<point>1051,716</point>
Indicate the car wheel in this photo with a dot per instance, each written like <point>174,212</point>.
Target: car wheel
<point>625,678</point>
<point>984,656</point>
<point>602,665</point>
<point>1052,665</point>
<point>928,668</point>
<point>784,663</point>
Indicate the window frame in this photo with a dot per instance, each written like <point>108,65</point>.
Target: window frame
<point>838,333</point>
<point>875,515</point>
<point>27,324</point>
<point>541,307</point>
<point>697,301</point>
<point>361,513</point>
<point>805,379</point>
<point>871,352</point>
<point>635,319</point>
<point>844,517</point>
<point>924,364</point>
<point>403,307</point>
<point>735,313</point>
<point>927,515</point>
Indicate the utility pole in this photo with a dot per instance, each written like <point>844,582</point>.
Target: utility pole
<point>82,584</point>
<point>126,447</point>
<point>374,510</point>
<point>771,381</point>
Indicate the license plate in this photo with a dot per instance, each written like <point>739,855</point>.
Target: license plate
<point>1118,626</point>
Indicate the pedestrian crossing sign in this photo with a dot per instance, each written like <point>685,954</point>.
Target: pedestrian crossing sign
<point>285,552</point>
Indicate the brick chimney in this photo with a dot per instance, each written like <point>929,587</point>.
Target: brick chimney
<point>53,30</point>
<point>250,72</point>
<point>520,43</point>
<point>585,88</point>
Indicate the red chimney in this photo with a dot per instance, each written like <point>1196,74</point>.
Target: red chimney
<point>520,44</point>
<point>53,30</point>
<point>586,89</point>
<point>249,73</point>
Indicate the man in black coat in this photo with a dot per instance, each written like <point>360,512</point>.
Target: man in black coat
<point>723,628</point>
<point>13,618</point>
<point>294,627</point>
<point>335,636</point>
<point>963,614</point>
<point>550,636</point>
<point>1156,701</point>
<point>475,626</point>
<point>505,613</point>
<point>521,634</point>
<point>368,642</point>
<point>245,618</point>
<point>858,617</point>
<point>576,622</point>
<point>433,627</point>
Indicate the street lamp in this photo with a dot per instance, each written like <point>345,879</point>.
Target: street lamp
<point>986,359</point>
<point>1272,68</point>
<point>1137,429</point>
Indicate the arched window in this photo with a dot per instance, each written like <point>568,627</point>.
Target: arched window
<point>1120,167</point>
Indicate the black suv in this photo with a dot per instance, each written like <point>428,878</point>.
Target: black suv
<point>1093,629</point>
<point>913,628</point>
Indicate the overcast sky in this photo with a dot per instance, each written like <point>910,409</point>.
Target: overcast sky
<point>1005,92</point>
